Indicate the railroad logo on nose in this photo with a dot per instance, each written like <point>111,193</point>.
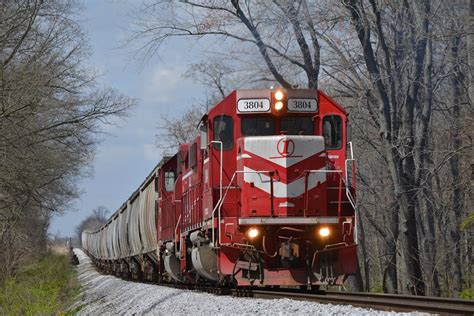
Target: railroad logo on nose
<point>286,147</point>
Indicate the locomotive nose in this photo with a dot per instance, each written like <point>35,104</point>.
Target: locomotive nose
<point>280,173</point>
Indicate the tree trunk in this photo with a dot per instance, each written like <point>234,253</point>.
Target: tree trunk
<point>390,276</point>
<point>454,163</point>
<point>408,240</point>
<point>362,255</point>
<point>398,141</point>
<point>422,154</point>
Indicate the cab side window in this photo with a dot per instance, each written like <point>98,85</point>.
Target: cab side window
<point>332,131</point>
<point>224,132</point>
<point>169,181</point>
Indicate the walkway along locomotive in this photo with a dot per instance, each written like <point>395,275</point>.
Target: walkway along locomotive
<point>265,195</point>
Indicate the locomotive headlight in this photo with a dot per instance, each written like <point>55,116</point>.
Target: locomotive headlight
<point>279,95</point>
<point>278,105</point>
<point>252,233</point>
<point>324,232</point>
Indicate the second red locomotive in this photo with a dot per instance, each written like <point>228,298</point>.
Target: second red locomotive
<point>265,195</point>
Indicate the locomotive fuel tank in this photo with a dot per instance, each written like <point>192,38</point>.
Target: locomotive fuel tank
<point>203,257</point>
<point>204,260</point>
<point>171,262</point>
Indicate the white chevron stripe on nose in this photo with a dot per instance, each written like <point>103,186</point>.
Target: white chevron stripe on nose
<point>280,189</point>
<point>299,148</point>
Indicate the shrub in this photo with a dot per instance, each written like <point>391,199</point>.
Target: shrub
<point>467,294</point>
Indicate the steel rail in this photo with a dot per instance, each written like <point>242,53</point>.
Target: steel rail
<point>386,302</point>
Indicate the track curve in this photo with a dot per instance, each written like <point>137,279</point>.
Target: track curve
<point>385,302</point>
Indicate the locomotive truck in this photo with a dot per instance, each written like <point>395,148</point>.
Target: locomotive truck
<point>263,196</point>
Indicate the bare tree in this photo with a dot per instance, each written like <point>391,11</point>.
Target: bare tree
<point>405,78</point>
<point>215,77</point>
<point>282,34</point>
<point>94,221</point>
<point>173,131</point>
<point>50,113</point>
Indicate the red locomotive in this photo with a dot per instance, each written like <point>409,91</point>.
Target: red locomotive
<point>263,196</point>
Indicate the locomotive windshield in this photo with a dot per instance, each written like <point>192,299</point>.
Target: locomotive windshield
<point>297,125</point>
<point>257,126</point>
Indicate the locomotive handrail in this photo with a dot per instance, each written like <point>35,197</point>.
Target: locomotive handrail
<point>351,159</point>
<point>219,205</point>
<point>324,171</point>
<point>348,191</point>
<point>349,196</point>
<point>220,183</point>
<point>176,237</point>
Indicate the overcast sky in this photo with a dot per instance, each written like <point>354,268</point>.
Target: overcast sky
<point>127,155</point>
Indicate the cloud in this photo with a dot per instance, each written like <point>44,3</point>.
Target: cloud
<point>165,83</point>
<point>151,152</point>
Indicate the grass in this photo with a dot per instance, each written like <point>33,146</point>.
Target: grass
<point>45,287</point>
<point>467,294</point>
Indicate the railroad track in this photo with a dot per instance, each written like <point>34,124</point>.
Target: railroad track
<point>387,302</point>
